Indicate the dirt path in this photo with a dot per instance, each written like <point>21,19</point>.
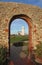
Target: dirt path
<point>17,54</point>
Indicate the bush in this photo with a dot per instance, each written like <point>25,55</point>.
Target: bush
<point>2,55</point>
<point>39,50</point>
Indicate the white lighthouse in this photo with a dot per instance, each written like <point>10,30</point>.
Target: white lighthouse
<point>23,31</point>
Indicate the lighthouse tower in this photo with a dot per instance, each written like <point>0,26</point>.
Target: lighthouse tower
<point>23,30</point>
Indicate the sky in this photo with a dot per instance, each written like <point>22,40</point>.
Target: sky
<point>33,2</point>
<point>16,26</point>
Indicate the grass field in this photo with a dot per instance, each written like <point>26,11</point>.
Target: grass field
<point>18,38</point>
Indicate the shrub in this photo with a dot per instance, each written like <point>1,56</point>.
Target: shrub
<point>2,55</point>
<point>39,50</point>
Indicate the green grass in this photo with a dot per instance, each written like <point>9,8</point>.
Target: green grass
<point>18,38</point>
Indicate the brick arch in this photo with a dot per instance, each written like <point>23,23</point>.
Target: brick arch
<point>29,22</point>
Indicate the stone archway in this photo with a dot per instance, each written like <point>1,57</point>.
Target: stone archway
<point>12,12</point>
<point>28,20</point>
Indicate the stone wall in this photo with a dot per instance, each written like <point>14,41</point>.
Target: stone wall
<point>8,10</point>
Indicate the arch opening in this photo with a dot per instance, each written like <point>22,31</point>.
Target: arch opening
<point>28,21</point>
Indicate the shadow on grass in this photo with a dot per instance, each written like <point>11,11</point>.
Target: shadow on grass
<point>17,44</point>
